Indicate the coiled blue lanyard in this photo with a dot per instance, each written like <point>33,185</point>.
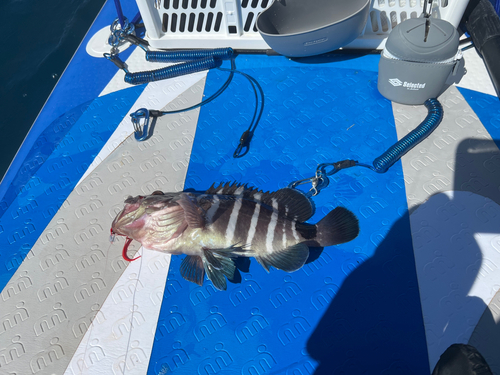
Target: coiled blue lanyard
<point>191,61</point>
<point>381,164</point>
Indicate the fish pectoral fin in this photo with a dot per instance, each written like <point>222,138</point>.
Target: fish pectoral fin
<point>290,259</point>
<point>192,269</point>
<point>218,265</point>
<point>192,212</point>
<point>232,251</point>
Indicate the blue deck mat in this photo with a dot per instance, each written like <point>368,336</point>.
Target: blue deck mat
<point>354,308</point>
<point>51,169</point>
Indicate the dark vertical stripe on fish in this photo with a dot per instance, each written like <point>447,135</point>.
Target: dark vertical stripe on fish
<point>221,216</point>
<point>242,223</point>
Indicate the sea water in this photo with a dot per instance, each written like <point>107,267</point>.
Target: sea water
<point>39,38</point>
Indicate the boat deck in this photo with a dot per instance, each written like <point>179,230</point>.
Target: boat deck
<point>422,274</point>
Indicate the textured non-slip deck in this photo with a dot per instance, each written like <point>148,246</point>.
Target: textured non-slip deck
<point>421,275</point>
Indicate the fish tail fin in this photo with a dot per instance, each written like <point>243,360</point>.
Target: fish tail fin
<point>290,259</point>
<point>339,226</point>
<point>217,264</point>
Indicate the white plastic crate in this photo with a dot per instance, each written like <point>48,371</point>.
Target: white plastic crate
<point>174,24</point>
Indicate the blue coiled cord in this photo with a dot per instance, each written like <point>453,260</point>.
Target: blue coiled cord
<point>178,56</point>
<point>193,61</point>
<point>396,151</point>
<point>172,71</point>
<point>381,164</point>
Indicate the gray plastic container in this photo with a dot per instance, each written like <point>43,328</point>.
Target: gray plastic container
<point>412,70</point>
<point>299,28</point>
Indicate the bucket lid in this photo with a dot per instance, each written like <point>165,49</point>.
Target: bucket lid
<point>406,41</point>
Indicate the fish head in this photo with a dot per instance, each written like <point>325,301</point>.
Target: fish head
<point>132,218</point>
<point>123,224</point>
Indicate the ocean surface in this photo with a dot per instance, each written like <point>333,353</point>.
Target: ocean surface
<point>39,39</point>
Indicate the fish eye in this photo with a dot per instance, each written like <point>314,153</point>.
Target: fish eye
<point>158,192</point>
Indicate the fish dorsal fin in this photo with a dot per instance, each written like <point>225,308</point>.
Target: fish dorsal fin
<point>227,188</point>
<point>291,203</point>
<point>237,190</point>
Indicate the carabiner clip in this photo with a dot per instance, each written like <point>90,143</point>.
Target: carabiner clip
<point>140,132</point>
<point>320,179</point>
<point>318,182</point>
<point>244,145</point>
<point>117,33</point>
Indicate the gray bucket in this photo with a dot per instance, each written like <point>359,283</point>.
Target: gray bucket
<point>298,28</point>
<point>413,69</point>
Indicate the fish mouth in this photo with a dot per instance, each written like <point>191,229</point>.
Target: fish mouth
<point>126,215</point>
<point>115,225</point>
<point>135,207</point>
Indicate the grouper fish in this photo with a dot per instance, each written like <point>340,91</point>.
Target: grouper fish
<point>229,221</point>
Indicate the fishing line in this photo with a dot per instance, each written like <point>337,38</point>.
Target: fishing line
<point>91,328</point>
<point>125,257</point>
<point>133,308</point>
<point>97,300</point>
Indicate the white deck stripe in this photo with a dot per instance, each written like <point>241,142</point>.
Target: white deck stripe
<point>119,339</point>
<point>154,96</point>
<point>150,286</point>
<point>450,280</point>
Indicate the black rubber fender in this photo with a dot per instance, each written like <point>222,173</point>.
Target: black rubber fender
<point>483,25</point>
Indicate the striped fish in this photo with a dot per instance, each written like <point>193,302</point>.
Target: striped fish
<point>229,221</point>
